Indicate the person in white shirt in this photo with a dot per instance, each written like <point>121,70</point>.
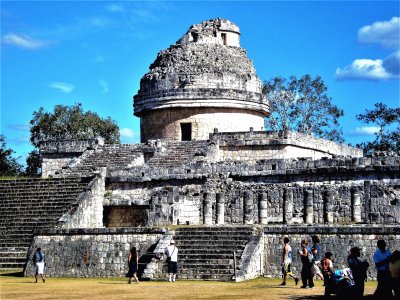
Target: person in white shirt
<point>172,258</point>
<point>287,262</point>
<point>381,260</point>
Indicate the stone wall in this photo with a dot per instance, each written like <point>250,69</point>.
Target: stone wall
<point>166,123</point>
<point>92,252</point>
<point>337,240</point>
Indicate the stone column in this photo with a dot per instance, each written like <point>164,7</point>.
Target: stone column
<point>263,208</point>
<point>356,206</point>
<point>328,204</point>
<point>308,207</point>
<point>367,200</point>
<point>288,205</point>
<point>207,208</point>
<point>248,207</point>
<point>220,197</point>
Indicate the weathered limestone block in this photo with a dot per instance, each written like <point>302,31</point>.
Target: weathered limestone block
<point>288,206</point>
<point>356,207</point>
<point>207,208</point>
<point>328,205</point>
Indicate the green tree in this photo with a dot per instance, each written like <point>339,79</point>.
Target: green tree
<point>387,138</point>
<point>71,122</point>
<point>9,165</point>
<point>303,105</point>
<point>33,164</point>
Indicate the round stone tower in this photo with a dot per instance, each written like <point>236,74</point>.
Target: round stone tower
<point>204,81</point>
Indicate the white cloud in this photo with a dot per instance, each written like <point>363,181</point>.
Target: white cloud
<point>392,63</point>
<point>24,41</point>
<point>128,136</point>
<point>385,33</point>
<point>366,130</point>
<point>62,86</point>
<point>127,133</point>
<point>115,7</point>
<point>365,69</point>
<point>104,86</point>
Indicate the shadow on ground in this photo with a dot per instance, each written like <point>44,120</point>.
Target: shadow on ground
<point>318,297</point>
<point>13,274</point>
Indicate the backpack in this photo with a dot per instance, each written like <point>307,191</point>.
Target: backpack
<point>310,255</point>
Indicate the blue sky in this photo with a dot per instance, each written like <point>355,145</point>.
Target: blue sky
<point>95,53</point>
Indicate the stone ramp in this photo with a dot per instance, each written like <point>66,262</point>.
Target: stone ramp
<point>27,205</point>
<point>179,153</point>
<point>206,253</point>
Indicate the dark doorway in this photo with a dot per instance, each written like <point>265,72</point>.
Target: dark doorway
<point>223,36</point>
<point>186,131</point>
<point>125,216</point>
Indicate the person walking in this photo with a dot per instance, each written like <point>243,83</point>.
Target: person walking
<point>316,251</point>
<point>359,271</point>
<point>381,260</point>
<point>38,261</point>
<point>287,262</point>
<point>172,259</point>
<point>306,260</point>
<point>133,263</point>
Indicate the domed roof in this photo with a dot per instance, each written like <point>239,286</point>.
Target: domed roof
<point>205,68</point>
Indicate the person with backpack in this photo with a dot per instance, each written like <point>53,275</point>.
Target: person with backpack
<point>327,272</point>
<point>38,261</point>
<point>172,259</point>
<point>307,260</point>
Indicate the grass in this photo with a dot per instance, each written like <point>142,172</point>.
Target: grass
<point>14,286</point>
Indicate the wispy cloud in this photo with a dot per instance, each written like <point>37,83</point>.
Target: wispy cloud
<point>128,136</point>
<point>366,130</point>
<point>25,42</point>
<point>104,86</point>
<point>114,7</point>
<point>62,86</point>
<point>384,33</point>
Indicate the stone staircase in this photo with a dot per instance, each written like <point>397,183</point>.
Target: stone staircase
<point>30,204</point>
<point>179,153</point>
<point>206,253</point>
<point>114,156</point>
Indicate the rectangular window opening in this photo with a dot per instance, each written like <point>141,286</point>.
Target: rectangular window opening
<point>223,36</point>
<point>186,131</point>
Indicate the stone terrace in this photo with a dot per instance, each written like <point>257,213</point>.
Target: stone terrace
<point>30,204</point>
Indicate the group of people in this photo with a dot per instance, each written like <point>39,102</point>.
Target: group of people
<point>349,280</point>
<point>171,253</point>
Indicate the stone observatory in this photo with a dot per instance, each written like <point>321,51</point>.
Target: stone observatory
<point>204,81</point>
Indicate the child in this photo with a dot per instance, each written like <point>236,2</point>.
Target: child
<point>327,272</point>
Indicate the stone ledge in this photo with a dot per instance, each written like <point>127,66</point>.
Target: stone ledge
<point>99,231</point>
<point>345,229</point>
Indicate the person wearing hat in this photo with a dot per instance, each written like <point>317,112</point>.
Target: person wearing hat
<point>171,252</point>
<point>359,271</point>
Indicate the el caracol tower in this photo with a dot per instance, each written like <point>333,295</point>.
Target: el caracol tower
<point>204,81</point>
<point>234,192</point>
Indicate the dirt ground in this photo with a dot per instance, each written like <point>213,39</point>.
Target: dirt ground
<point>13,286</point>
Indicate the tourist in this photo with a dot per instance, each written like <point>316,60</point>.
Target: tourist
<point>172,258</point>
<point>287,262</point>
<point>38,260</point>
<point>327,272</point>
<point>306,260</point>
<point>316,251</point>
<point>133,263</point>
<point>394,269</point>
<point>359,271</point>
<point>381,260</point>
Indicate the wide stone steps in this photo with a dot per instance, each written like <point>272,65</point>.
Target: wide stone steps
<point>207,253</point>
<point>27,205</point>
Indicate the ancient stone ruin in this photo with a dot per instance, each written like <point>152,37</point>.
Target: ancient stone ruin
<point>205,174</point>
